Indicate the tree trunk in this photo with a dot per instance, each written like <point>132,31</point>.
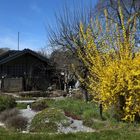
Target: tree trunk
<point>86,95</point>
<point>101,110</point>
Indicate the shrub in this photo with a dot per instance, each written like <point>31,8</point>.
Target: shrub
<point>12,119</point>
<point>48,120</point>
<point>17,122</point>
<point>6,102</point>
<point>40,105</point>
<point>8,114</point>
<point>112,63</point>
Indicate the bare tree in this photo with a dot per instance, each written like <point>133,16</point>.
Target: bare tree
<point>130,8</point>
<point>67,21</point>
<point>67,29</point>
<point>62,60</point>
<point>66,33</point>
<point>43,51</point>
<point>3,50</point>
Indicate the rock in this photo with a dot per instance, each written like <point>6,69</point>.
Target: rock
<point>75,126</point>
<point>71,121</point>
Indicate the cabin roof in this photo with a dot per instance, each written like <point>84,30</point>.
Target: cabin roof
<point>13,54</point>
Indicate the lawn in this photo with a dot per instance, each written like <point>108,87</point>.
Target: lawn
<point>103,135</point>
<point>55,111</point>
<point>87,112</point>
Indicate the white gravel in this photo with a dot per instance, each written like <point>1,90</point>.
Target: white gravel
<point>2,124</point>
<point>29,114</point>
<point>75,126</point>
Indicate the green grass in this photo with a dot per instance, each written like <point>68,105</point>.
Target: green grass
<point>6,102</point>
<point>103,135</point>
<point>21,105</point>
<point>88,112</point>
<point>76,107</point>
<point>3,130</point>
<point>45,122</point>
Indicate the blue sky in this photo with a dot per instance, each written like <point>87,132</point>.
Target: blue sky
<point>29,17</point>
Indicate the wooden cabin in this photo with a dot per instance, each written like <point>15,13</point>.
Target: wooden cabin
<point>24,70</point>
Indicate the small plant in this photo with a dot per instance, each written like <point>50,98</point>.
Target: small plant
<point>12,119</point>
<point>17,122</point>
<point>6,102</point>
<point>48,120</point>
<point>8,114</point>
<point>40,105</point>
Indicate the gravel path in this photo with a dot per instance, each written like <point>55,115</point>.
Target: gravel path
<point>29,114</point>
<point>75,126</point>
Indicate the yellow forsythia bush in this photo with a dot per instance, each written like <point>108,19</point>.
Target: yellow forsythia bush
<point>122,79</point>
<point>113,65</point>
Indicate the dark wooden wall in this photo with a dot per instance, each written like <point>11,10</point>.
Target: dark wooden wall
<point>21,65</point>
<point>35,72</point>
